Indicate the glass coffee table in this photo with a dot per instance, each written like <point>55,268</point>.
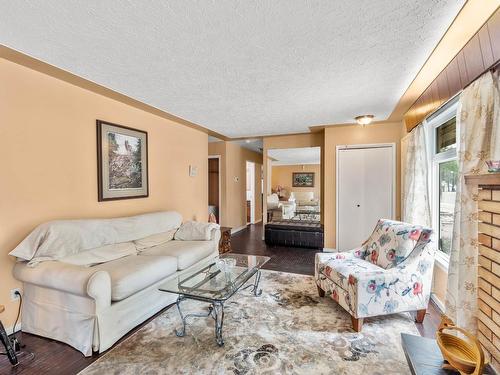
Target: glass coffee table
<point>215,282</point>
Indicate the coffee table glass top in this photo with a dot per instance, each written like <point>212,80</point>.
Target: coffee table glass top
<point>217,279</point>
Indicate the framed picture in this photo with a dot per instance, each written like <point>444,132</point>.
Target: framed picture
<point>303,179</point>
<point>122,162</point>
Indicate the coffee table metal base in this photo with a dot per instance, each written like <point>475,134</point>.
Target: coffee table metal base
<point>215,311</point>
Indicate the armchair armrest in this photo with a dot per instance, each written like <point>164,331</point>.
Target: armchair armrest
<point>81,281</point>
<point>406,287</point>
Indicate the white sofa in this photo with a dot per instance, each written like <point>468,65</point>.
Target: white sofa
<point>91,307</point>
<point>287,209</point>
<point>304,198</point>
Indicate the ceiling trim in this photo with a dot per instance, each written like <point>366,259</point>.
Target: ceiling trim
<point>468,21</point>
<point>63,75</point>
<point>285,163</point>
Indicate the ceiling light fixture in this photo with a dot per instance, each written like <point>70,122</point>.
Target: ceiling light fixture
<point>364,119</point>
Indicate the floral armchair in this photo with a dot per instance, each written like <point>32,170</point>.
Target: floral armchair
<point>390,273</point>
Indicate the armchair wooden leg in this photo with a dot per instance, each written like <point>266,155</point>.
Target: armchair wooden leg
<point>321,292</point>
<point>419,318</point>
<point>357,323</point>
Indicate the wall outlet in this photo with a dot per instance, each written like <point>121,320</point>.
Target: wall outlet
<point>13,295</point>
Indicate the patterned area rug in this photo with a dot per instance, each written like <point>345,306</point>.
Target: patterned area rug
<point>287,330</point>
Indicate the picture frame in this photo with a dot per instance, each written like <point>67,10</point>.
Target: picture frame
<point>122,162</point>
<point>303,179</point>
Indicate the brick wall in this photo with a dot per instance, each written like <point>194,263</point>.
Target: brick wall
<point>489,273</point>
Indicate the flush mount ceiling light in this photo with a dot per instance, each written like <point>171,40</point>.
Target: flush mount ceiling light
<point>364,119</point>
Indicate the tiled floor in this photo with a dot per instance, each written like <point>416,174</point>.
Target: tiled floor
<point>52,357</point>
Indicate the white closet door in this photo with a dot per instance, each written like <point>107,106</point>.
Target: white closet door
<point>365,180</point>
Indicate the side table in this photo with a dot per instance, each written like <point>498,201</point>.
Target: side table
<point>424,356</point>
<point>225,240</point>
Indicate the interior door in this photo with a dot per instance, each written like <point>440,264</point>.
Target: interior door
<point>365,192</point>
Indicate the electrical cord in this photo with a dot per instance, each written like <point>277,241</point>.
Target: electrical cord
<point>17,319</point>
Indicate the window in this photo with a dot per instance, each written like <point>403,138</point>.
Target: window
<point>441,132</point>
<point>447,182</point>
<point>446,136</point>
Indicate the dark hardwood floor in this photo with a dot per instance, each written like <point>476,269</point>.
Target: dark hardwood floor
<point>285,259</point>
<point>53,357</point>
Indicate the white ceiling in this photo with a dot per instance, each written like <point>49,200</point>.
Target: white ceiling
<point>239,67</point>
<point>252,144</point>
<point>295,156</point>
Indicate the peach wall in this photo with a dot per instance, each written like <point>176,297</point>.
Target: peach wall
<point>233,167</point>
<point>49,167</point>
<point>290,141</point>
<point>354,135</point>
<point>282,175</point>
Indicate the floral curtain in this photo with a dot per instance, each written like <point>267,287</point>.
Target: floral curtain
<point>416,207</point>
<point>478,122</point>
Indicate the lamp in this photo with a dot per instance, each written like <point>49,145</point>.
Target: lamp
<point>364,119</point>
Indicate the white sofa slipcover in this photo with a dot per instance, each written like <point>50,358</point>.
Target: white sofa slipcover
<point>186,253</point>
<point>90,308</point>
<point>303,198</point>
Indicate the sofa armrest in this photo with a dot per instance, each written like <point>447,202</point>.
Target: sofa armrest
<point>81,281</point>
<point>215,235</point>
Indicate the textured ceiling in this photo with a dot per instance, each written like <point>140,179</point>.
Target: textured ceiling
<point>252,144</point>
<point>294,156</point>
<point>238,67</point>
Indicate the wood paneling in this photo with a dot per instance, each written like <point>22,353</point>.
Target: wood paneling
<point>478,55</point>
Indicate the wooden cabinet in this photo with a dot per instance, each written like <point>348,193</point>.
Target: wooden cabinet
<point>225,240</point>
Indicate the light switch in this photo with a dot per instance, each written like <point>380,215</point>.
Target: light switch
<point>193,171</point>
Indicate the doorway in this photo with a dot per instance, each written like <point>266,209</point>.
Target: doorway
<point>214,198</point>
<point>250,192</point>
<point>366,187</point>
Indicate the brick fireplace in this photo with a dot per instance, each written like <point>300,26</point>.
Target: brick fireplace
<point>489,265</point>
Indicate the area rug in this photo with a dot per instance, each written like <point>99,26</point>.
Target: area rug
<point>287,330</point>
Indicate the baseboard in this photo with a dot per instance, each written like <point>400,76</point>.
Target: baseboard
<point>236,230</point>
<point>329,250</point>
<point>10,330</point>
<point>257,221</point>
<point>438,303</point>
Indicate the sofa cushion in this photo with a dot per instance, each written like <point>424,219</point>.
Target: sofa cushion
<point>57,239</point>
<point>154,239</point>
<point>101,254</point>
<point>195,231</point>
<point>342,267</point>
<point>186,252</point>
<point>134,273</point>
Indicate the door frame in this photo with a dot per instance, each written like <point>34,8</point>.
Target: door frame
<point>253,189</point>
<point>220,186</point>
<point>362,146</point>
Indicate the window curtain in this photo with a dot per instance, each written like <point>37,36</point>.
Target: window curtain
<point>416,207</point>
<point>478,123</point>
